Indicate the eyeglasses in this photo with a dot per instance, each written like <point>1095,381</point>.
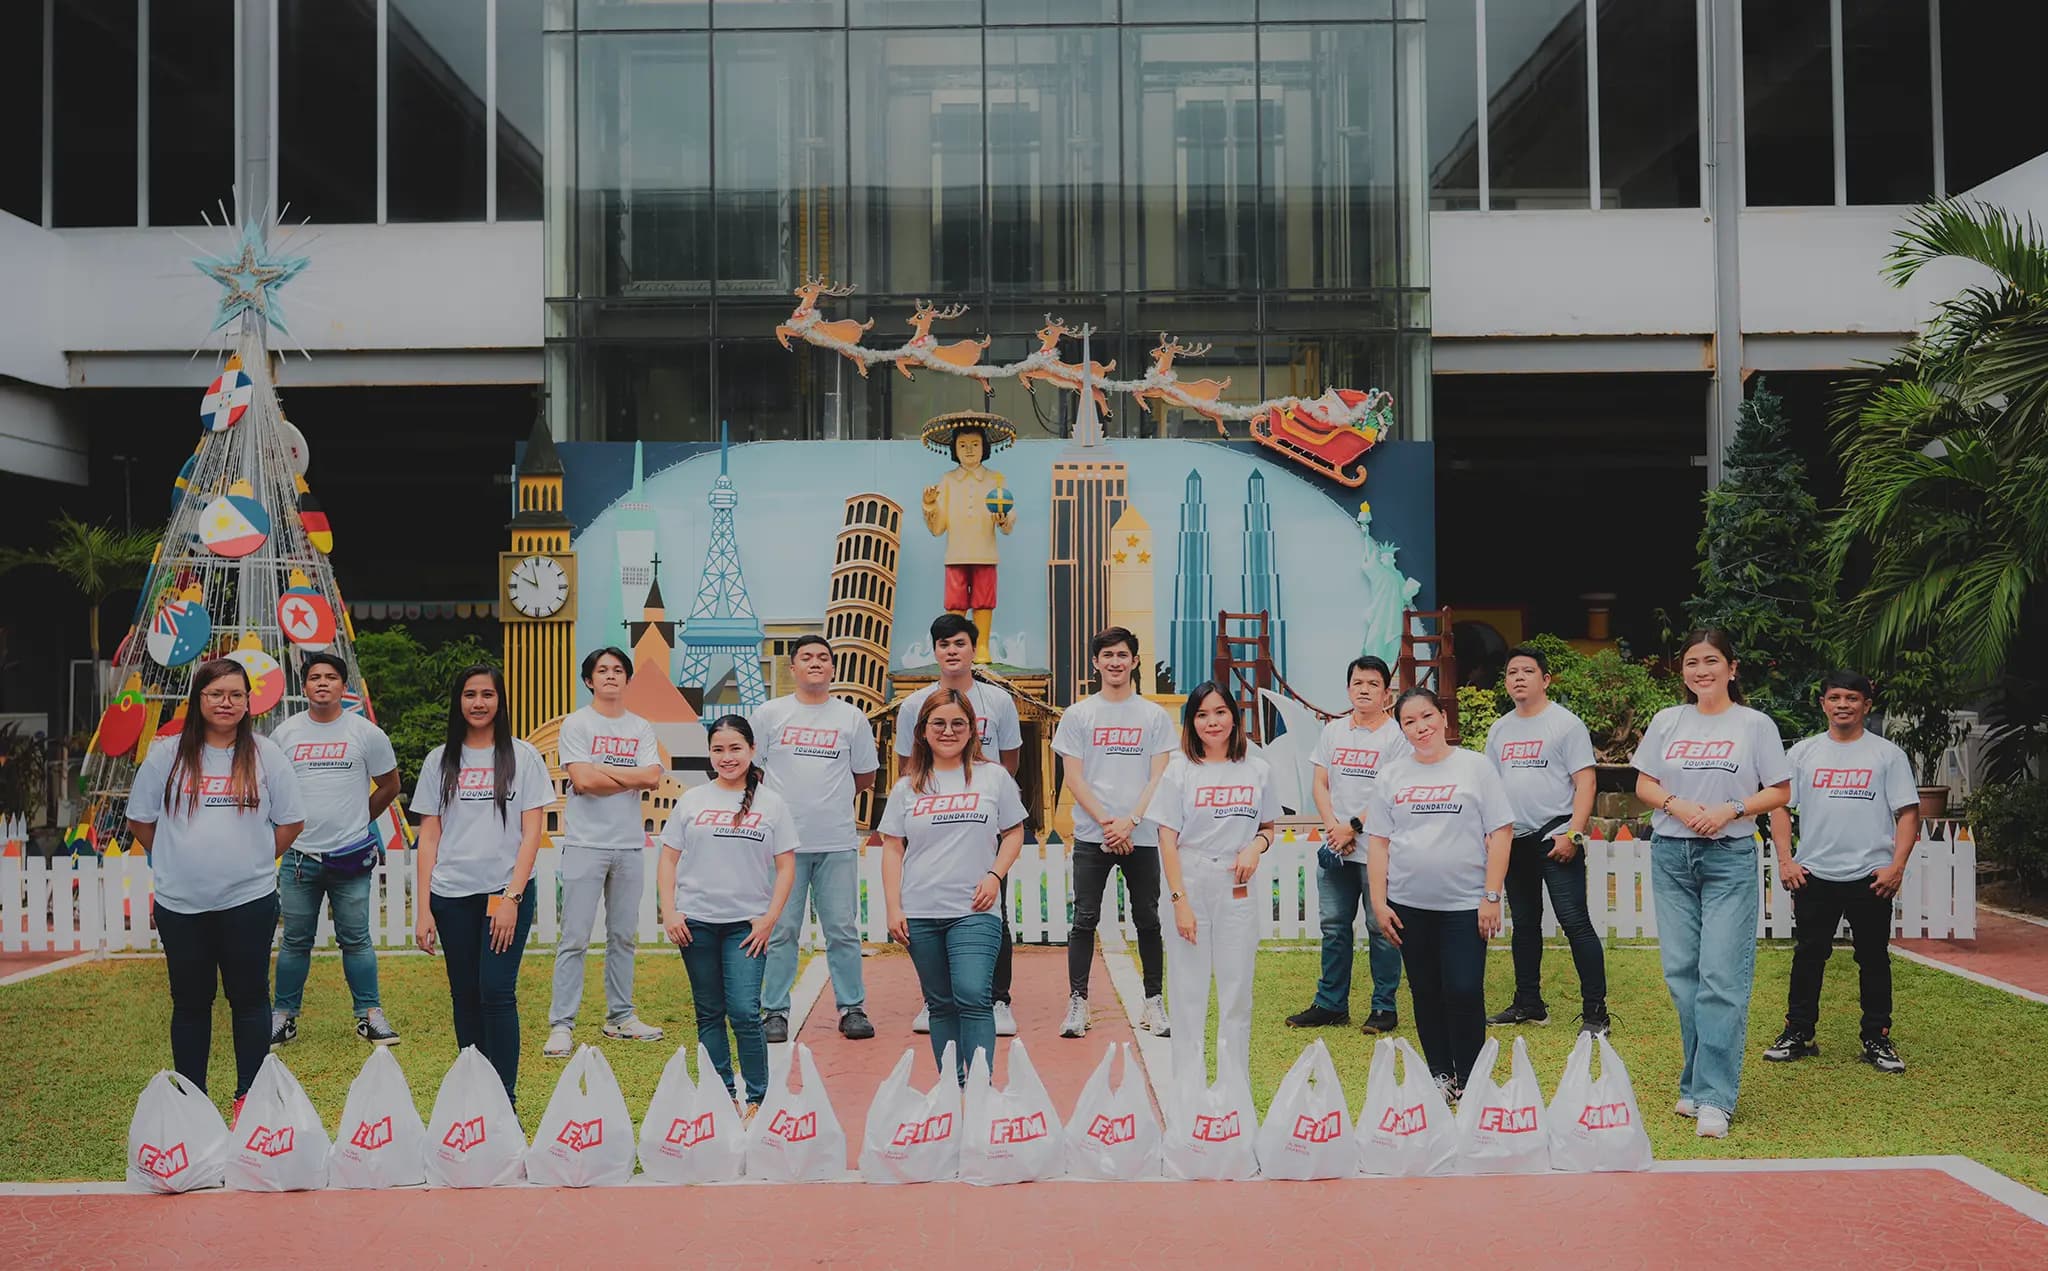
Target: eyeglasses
<point>947,726</point>
<point>218,696</point>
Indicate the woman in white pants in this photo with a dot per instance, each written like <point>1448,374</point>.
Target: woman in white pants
<point>1215,808</point>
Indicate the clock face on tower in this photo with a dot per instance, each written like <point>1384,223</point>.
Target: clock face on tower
<point>538,586</point>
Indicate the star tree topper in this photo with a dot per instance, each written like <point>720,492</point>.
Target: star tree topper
<point>250,278</point>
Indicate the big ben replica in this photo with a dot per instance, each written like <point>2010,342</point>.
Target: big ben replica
<point>537,593</point>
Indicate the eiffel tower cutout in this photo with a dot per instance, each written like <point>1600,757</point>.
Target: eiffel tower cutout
<point>722,621</point>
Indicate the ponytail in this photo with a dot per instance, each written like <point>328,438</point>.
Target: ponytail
<point>753,784</point>
<point>738,724</point>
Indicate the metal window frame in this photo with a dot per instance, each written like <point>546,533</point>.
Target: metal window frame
<point>1934,97</point>
<point>49,111</point>
<point>1592,14</point>
<point>383,111</point>
<point>142,112</point>
<point>1479,91</point>
<point>270,196</point>
<point>1841,109</point>
<point>490,112</point>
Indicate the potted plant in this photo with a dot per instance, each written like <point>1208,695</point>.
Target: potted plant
<point>1919,699</point>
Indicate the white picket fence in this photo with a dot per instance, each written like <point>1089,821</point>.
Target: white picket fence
<point>75,904</point>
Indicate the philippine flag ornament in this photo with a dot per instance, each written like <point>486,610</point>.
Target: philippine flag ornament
<point>180,629</point>
<point>234,524</point>
<point>266,677</point>
<point>304,615</point>
<point>227,398</point>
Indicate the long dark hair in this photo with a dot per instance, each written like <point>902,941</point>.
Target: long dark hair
<point>505,760</point>
<point>242,781</point>
<point>1191,742</point>
<point>738,724</point>
<point>1719,641</point>
<point>919,767</point>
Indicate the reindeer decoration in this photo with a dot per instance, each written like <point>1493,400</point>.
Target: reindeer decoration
<point>961,354</point>
<point>1162,385</point>
<point>1065,375</point>
<point>804,323</point>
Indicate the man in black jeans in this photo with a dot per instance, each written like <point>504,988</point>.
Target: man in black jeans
<point>1545,759</point>
<point>1112,746</point>
<point>1859,817</point>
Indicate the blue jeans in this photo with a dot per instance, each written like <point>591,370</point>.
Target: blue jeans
<point>302,881</point>
<point>1339,892</point>
<point>725,984</point>
<point>956,967</point>
<point>832,881</point>
<point>482,984</point>
<point>1707,897</point>
<point>1530,872</point>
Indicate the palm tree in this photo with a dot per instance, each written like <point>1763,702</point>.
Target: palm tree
<point>98,559</point>
<point>1944,452</point>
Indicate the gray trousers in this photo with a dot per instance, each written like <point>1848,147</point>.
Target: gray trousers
<point>587,873</point>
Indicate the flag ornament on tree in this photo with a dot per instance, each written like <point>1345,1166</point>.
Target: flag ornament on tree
<point>227,398</point>
<point>313,518</point>
<point>304,615</point>
<point>181,628</point>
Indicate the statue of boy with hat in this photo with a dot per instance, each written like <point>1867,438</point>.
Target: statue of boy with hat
<point>966,507</point>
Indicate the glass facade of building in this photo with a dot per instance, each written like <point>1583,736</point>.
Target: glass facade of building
<point>1244,175</point>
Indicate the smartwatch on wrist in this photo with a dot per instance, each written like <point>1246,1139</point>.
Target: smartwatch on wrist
<point>1577,838</point>
<point>1493,898</point>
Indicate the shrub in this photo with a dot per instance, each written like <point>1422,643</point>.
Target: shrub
<point>2010,822</point>
<point>1477,709</point>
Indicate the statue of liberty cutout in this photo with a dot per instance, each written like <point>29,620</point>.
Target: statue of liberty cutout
<point>966,508</point>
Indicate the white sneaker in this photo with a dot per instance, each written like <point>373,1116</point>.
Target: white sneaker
<point>1153,1020</point>
<point>1006,1023</point>
<point>1713,1123</point>
<point>1686,1108</point>
<point>561,1042</point>
<point>631,1029</point>
<point>1076,1023</point>
<point>923,1022</point>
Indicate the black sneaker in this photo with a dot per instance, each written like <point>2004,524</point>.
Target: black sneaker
<point>1317,1017</point>
<point>284,1029</point>
<point>775,1027</point>
<point>1793,1044</point>
<point>853,1024</point>
<point>373,1028</point>
<point>1380,1022</point>
<point>1878,1053</point>
<point>1594,1019</point>
<point>1520,1014</point>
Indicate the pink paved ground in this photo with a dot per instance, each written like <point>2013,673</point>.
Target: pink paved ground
<point>2005,949</point>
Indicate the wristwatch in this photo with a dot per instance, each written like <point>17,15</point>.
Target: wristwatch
<point>1577,838</point>
<point>1176,897</point>
<point>1493,898</point>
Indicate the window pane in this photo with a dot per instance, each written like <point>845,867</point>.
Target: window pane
<point>781,176</point>
<point>1053,160</point>
<point>1537,126</point>
<point>1188,10</point>
<point>1453,96</point>
<point>772,395</point>
<point>658,15</point>
<point>911,13</point>
<point>1990,58</point>
<point>191,109</point>
<point>1788,103</point>
<point>1311,365</point>
<point>436,126</point>
<point>916,127</point>
<point>1335,10</point>
<point>327,109</point>
<point>1192,176</point>
<point>644,166</point>
<point>645,392</point>
<point>21,111</point>
<point>1327,127</point>
<point>520,115</point>
<point>1047,12</point>
<point>1887,101</point>
<point>93,133</point>
<point>1649,103</point>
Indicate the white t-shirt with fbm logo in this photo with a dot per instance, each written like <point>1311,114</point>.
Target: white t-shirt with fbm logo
<point>995,720</point>
<point>1710,759</point>
<point>811,754</point>
<point>335,763</point>
<point>616,743</point>
<point>478,848</point>
<point>217,853</point>
<point>1115,742</point>
<point>1353,757</point>
<point>1214,808</point>
<point>1537,756</point>
<point>1435,818</point>
<point>1848,796</point>
<point>950,830</point>
<point>727,869</point>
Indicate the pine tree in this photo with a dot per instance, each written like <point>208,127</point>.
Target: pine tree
<point>1763,573</point>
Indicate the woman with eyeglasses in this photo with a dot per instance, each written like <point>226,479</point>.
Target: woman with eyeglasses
<point>215,809</point>
<point>482,801</point>
<point>952,830</point>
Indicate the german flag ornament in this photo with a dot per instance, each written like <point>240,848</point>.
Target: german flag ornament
<point>313,518</point>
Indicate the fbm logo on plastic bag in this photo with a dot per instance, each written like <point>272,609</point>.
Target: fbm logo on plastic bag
<point>1017,1129</point>
<point>1327,1129</point>
<point>689,1132</point>
<point>1404,1121</point>
<point>269,1142</point>
<point>1508,1120</point>
<point>464,1135</point>
<point>1606,1116</point>
<point>794,1129</point>
<point>929,1130</point>
<point>1110,1131</point>
<point>580,1135</point>
<point>371,1135</point>
<point>1221,1129</point>
<point>164,1162</point>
